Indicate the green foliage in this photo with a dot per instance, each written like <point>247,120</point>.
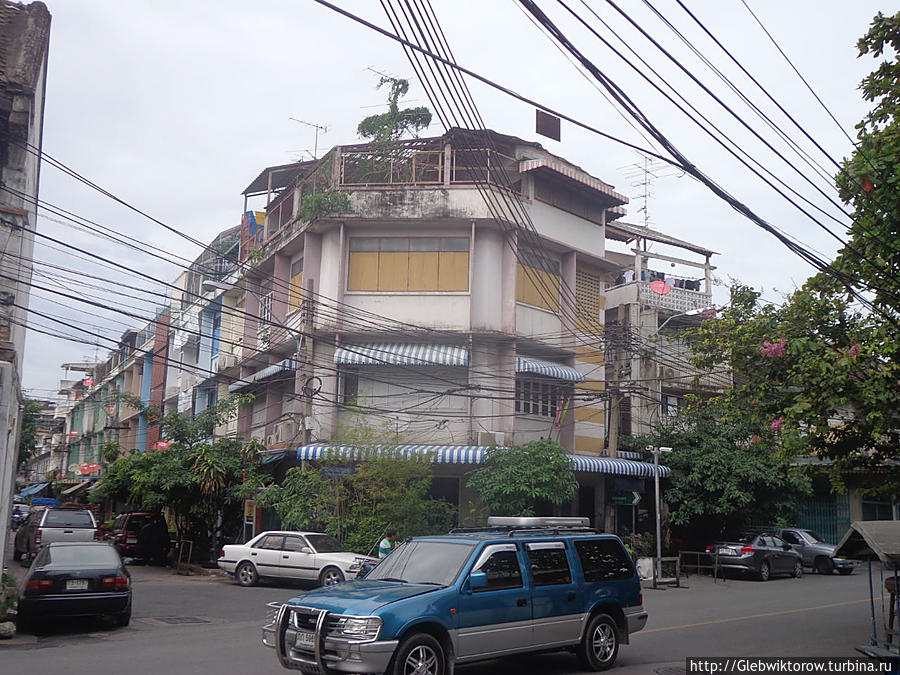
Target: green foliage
<point>727,470</point>
<point>198,479</point>
<point>9,595</point>
<point>28,434</point>
<point>109,452</point>
<point>325,203</point>
<point>514,479</point>
<point>395,123</point>
<point>358,504</point>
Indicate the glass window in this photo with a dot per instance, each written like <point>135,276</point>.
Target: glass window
<point>454,244</point>
<point>363,244</point>
<point>66,518</point>
<point>502,570</point>
<point>271,542</point>
<point>603,560</point>
<point>549,566</point>
<point>424,562</point>
<point>395,244</point>
<point>349,386</point>
<point>423,244</point>
<point>89,554</point>
<point>791,537</point>
<point>325,543</point>
<point>295,544</point>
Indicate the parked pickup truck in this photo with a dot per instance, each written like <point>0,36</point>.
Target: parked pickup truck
<point>815,552</point>
<point>50,525</point>
<point>520,585</point>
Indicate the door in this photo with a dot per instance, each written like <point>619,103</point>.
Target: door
<point>496,619</point>
<point>295,562</point>
<point>784,554</point>
<point>556,616</point>
<point>266,555</point>
<point>797,543</point>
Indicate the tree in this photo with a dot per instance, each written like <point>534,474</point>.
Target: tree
<point>513,480</point>
<point>396,122</point>
<point>28,435</point>
<point>202,480</point>
<point>727,470</point>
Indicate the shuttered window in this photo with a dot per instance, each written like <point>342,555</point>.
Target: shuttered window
<point>408,264</point>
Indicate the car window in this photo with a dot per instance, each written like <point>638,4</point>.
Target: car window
<point>549,564</point>
<point>777,542</point>
<point>763,542</point>
<point>502,570</point>
<point>271,542</point>
<point>136,522</point>
<point>325,543</point>
<point>63,518</point>
<point>83,555</point>
<point>434,562</point>
<point>791,537</point>
<point>293,544</point>
<point>816,538</point>
<point>603,560</point>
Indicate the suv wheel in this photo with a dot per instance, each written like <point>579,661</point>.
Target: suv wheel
<point>330,576</point>
<point>600,645</point>
<point>246,574</point>
<point>419,654</point>
<point>764,571</point>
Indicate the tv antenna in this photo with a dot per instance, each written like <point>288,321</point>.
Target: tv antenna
<point>318,128</point>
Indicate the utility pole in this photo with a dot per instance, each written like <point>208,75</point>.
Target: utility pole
<point>305,349</point>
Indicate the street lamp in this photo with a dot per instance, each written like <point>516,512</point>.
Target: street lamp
<point>658,565</point>
<point>691,312</point>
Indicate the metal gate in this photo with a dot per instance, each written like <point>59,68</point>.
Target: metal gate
<point>828,515</point>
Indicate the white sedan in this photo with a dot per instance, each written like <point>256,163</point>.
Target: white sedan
<point>310,556</point>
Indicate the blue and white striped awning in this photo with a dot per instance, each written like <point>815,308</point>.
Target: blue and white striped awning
<point>33,489</point>
<point>474,454</point>
<point>259,375</point>
<point>526,364</point>
<point>442,454</point>
<point>625,454</point>
<point>401,355</point>
<point>616,467</point>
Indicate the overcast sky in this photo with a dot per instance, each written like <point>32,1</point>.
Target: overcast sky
<point>176,106</point>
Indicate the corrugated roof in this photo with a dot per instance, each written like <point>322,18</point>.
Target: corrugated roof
<point>282,176</point>
<point>627,232</point>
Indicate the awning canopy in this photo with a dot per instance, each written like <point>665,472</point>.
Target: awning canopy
<point>78,487</point>
<point>260,375</point>
<point>572,173</point>
<point>869,539</point>
<point>526,364</point>
<point>474,454</point>
<point>33,489</point>
<point>402,355</point>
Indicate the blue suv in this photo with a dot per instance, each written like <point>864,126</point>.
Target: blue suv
<point>520,585</point>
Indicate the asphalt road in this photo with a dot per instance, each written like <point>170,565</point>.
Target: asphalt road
<point>209,624</point>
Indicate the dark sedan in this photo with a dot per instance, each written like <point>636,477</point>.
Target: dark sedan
<point>76,579</point>
<point>761,555</point>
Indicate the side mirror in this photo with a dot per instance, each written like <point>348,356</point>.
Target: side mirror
<point>478,580</point>
<point>306,549</point>
<point>786,547</point>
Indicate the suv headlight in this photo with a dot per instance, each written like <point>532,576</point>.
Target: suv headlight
<point>355,628</point>
<point>359,563</point>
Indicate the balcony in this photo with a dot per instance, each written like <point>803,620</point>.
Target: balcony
<point>677,300</point>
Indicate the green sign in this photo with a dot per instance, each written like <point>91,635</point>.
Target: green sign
<point>629,498</point>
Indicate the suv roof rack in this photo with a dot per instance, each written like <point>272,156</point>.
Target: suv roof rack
<point>529,525</point>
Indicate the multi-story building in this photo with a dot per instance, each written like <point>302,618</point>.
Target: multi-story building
<point>44,462</point>
<point>24,44</point>
<point>451,290</point>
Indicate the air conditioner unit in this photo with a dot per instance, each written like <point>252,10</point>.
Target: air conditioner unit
<point>226,361</point>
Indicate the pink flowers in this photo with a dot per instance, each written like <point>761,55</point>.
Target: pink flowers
<point>773,348</point>
<point>854,350</point>
<point>776,424</point>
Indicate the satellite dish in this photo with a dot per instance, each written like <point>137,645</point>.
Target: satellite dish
<point>660,287</point>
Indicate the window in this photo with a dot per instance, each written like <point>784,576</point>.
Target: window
<point>537,397</point>
<point>501,567</point>
<point>272,542</point>
<point>294,544</point>
<point>588,301</point>
<point>349,386</point>
<point>603,560</point>
<point>791,537</point>
<point>265,306</point>
<point>295,296</point>
<point>537,280</point>
<point>409,264</point>
<point>549,565</point>
<point>877,511</point>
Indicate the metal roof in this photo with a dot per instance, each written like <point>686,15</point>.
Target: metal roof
<point>627,232</point>
<point>868,539</point>
<point>282,176</point>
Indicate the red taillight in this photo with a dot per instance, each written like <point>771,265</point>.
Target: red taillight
<point>114,582</point>
<point>747,549</point>
<point>222,553</point>
<point>97,535</point>
<point>709,549</point>
<point>39,585</point>
<point>37,536</point>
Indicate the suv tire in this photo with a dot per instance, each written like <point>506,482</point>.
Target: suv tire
<point>600,645</point>
<point>824,565</point>
<point>419,654</point>
<point>246,574</point>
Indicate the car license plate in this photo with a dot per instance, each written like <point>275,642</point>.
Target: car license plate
<point>76,584</point>
<point>727,551</point>
<point>305,640</point>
